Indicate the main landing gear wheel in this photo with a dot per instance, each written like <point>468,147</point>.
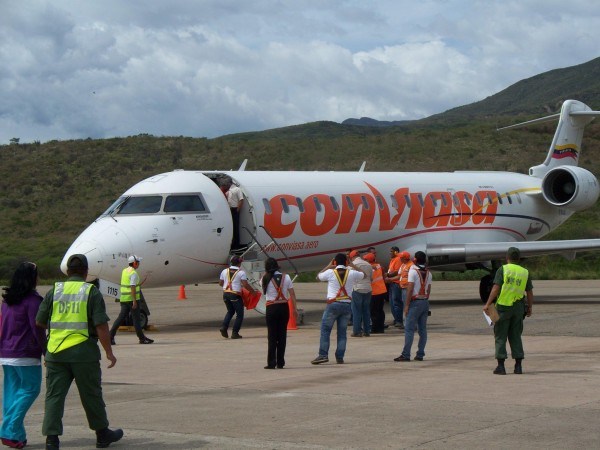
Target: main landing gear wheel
<point>485,287</point>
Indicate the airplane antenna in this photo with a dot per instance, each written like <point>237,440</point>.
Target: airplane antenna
<point>243,166</point>
<point>362,168</point>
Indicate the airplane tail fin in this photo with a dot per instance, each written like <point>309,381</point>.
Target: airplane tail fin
<point>566,144</point>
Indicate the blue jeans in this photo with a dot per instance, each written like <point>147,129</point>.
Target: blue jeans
<point>21,387</point>
<point>235,306</point>
<point>417,315</point>
<point>395,302</point>
<point>361,312</point>
<point>334,312</point>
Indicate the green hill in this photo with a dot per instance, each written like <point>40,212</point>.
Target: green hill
<point>52,191</point>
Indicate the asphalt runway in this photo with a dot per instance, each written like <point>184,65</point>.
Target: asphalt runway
<point>193,389</point>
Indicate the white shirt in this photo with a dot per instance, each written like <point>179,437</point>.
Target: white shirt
<point>234,196</point>
<point>413,277</point>
<point>236,282</point>
<point>134,279</point>
<point>363,285</point>
<point>286,285</point>
<point>333,285</point>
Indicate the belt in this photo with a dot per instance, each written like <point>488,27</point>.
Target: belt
<point>418,298</point>
<point>342,300</point>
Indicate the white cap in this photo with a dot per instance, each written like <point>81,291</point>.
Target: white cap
<point>134,258</point>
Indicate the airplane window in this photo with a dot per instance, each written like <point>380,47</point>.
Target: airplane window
<point>350,204</point>
<point>455,200</point>
<point>444,201</point>
<point>420,198</point>
<point>518,197</point>
<point>365,202</point>
<point>379,202</point>
<point>394,202</point>
<point>499,198</point>
<point>334,203</point>
<point>300,204</point>
<point>112,209</point>
<point>267,206</point>
<point>141,205</point>
<point>478,199</point>
<point>184,203</point>
<point>509,198</point>
<point>317,204</point>
<point>489,198</point>
<point>407,200</point>
<point>284,204</point>
<point>433,200</point>
<point>467,199</point>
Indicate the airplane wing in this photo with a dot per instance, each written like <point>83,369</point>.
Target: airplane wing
<point>448,254</point>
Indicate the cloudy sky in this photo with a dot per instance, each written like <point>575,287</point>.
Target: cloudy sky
<point>88,68</point>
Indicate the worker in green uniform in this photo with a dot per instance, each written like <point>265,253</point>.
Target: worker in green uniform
<point>74,313</point>
<point>512,284</point>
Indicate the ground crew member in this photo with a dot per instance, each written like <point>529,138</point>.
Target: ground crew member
<point>513,283</point>
<point>340,280</point>
<point>75,315</point>
<point>393,283</point>
<point>416,307</point>
<point>378,295</point>
<point>403,275</point>
<point>232,280</point>
<point>130,300</point>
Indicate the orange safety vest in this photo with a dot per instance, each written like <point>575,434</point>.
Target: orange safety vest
<point>341,294</point>
<point>280,297</point>
<point>230,277</point>
<point>423,275</point>
<point>404,268</point>
<point>395,267</point>
<point>377,284</point>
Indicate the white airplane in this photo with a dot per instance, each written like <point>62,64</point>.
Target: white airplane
<point>180,222</point>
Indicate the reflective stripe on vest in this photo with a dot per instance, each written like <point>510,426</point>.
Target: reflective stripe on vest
<point>342,294</point>
<point>230,277</point>
<point>513,286</point>
<point>126,287</point>
<point>404,268</point>
<point>280,297</point>
<point>423,276</point>
<point>69,319</point>
<point>378,284</point>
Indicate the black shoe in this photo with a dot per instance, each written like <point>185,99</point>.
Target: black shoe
<point>146,340</point>
<point>378,332</point>
<point>418,358</point>
<point>112,341</point>
<point>367,334</point>
<point>107,436</point>
<point>236,335</point>
<point>518,369</point>
<point>356,335</point>
<point>224,333</point>
<point>339,360</point>
<point>52,442</point>
<point>401,358</point>
<point>269,367</point>
<point>280,366</point>
<point>499,370</point>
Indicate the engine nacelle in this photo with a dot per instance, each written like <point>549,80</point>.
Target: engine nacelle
<point>570,187</point>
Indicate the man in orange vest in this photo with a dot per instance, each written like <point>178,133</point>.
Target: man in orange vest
<point>416,307</point>
<point>393,283</point>
<point>378,295</point>
<point>403,275</point>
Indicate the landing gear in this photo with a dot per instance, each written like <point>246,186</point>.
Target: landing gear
<point>485,287</point>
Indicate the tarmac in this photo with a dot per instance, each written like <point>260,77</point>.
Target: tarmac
<point>193,389</point>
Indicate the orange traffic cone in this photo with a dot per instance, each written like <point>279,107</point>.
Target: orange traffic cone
<point>292,321</point>
<point>181,293</point>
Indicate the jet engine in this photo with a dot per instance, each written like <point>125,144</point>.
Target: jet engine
<point>570,187</point>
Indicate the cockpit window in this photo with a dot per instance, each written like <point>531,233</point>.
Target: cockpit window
<point>184,203</point>
<point>149,204</point>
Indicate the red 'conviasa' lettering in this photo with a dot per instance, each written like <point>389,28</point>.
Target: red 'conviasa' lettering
<point>321,214</point>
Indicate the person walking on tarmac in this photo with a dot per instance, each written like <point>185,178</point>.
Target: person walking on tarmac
<point>232,280</point>
<point>74,313</point>
<point>279,291</point>
<point>130,300</point>
<point>513,283</point>
<point>340,280</point>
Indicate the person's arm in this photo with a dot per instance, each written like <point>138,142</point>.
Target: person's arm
<point>240,203</point>
<point>409,292</point>
<point>529,302</point>
<point>248,286</point>
<point>104,338</point>
<point>292,296</point>
<point>492,297</point>
<point>358,269</point>
<point>133,295</point>
<point>331,265</point>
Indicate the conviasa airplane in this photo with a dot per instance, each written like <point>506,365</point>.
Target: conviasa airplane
<point>180,222</point>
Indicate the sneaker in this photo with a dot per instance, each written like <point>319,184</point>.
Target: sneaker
<point>236,335</point>
<point>418,358</point>
<point>367,334</point>
<point>401,358</point>
<point>52,442</point>
<point>224,333</point>
<point>320,360</point>
<point>107,436</point>
<point>146,340</point>
<point>356,334</point>
<point>12,443</point>
<point>499,370</point>
<point>339,360</point>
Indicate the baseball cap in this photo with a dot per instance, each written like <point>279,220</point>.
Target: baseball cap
<point>77,261</point>
<point>513,253</point>
<point>369,257</point>
<point>134,258</point>
<point>404,255</point>
<point>353,254</point>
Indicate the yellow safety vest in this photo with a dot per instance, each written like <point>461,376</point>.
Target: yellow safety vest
<point>126,287</point>
<point>69,319</point>
<point>513,287</point>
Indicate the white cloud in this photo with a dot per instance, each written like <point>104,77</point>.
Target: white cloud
<point>209,68</point>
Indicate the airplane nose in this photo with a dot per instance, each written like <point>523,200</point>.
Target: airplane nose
<point>93,255</point>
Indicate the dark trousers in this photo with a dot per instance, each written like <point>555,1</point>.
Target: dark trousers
<point>235,307</point>
<point>377,312</point>
<point>509,326</point>
<point>126,307</point>
<point>88,377</point>
<point>277,316</point>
